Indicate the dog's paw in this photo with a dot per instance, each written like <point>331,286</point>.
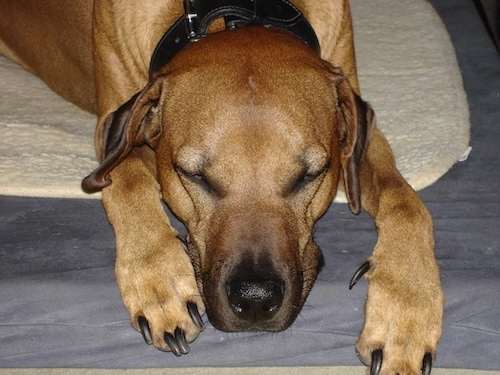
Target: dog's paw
<point>177,342</point>
<point>162,297</point>
<point>403,316</point>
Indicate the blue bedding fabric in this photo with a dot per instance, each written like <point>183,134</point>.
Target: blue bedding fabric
<point>60,307</point>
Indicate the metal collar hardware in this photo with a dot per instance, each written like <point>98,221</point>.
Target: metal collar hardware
<point>199,15</point>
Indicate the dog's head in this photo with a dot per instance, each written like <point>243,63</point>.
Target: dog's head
<point>252,133</point>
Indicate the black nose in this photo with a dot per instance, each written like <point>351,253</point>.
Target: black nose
<point>256,300</point>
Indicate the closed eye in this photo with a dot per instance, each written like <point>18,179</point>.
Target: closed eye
<point>199,179</point>
<point>302,181</point>
<point>306,178</point>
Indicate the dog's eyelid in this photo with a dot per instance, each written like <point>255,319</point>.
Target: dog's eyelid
<point>314,174</point>
<point>182,171</point>
<point>314,170</point>
<point>306,177</point>
<point>192,175</point>
<point>198,178</point>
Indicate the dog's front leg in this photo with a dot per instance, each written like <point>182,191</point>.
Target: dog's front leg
<point>154,273</point>
<point>405,301</point>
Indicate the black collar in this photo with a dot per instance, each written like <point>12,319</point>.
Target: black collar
<point>199,15</point>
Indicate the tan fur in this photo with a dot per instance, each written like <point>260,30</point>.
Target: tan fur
<point>246,135</point>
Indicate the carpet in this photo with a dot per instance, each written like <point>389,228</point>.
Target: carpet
<point>407,71</point>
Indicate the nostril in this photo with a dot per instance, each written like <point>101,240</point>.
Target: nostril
<point>255,300</point>
<point>239,305</point>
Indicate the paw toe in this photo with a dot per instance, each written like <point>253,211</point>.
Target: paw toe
<point>177,342</point>
<point>195,316</point>
<point>145,330</point>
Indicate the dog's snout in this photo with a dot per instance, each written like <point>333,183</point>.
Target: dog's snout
<point>255,300</point>
<point>253,279</point>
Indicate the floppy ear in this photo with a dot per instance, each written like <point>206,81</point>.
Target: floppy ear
<point>355,119</point>
<point>135,123</point>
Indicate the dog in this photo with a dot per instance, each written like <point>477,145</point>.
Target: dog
<point>245,117</point>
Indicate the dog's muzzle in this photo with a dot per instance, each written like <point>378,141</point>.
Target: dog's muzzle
<point>251,274</point>
<point>252,301</point>
<point>252,296</point>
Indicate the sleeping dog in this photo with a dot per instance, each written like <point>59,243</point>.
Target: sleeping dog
<point>245,117</point>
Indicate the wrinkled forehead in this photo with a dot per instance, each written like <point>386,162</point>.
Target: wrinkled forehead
<point>245,87</point>
<point>251,113</point>
<point>239,95</point>
<point>251,65</point>
<point>259,80</point>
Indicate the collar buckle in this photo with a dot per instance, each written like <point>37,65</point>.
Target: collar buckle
<point>199,15</point>
<point>192,21</point>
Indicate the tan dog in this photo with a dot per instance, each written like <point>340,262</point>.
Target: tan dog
<point>246,134</point>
